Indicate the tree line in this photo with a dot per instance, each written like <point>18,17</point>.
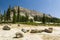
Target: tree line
<point>6,17</point>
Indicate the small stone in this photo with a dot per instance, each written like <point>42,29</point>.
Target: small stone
<point>25,30</point>
<point>18,35</point>
<point>33,31</point>
<point>18,24</point>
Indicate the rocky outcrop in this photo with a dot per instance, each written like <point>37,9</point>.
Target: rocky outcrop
<point>49,30</point>
<point>36,31</point>
<point>18,35</point>
<point>6,28</point>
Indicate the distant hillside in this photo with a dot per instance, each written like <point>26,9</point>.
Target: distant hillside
<point>30,12</point>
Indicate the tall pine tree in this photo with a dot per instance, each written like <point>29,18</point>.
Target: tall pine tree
<point>43,19</point>
<point>4,16</point>
<point>0,16</point>
<point>14,16</point>
<point>35,18</point>
<point>8,13</point>
<point>27,17</point>
<point>18,15</point>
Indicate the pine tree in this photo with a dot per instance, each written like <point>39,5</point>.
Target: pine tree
<point>14,16</point>
<point>4,16</point>
<point>18,15</point>
<point>1,17</point>
<point>31,20</point>
<point>36,18</point>
<point>27,17</point>
<point>43,19</point>
<point>8,13</point>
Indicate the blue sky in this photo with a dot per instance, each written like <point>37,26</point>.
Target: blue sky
<point>51,7</point>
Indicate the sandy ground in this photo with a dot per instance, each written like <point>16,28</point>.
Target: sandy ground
<point>8,35</point>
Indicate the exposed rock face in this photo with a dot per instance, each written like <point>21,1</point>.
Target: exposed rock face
<point>36,31</point>
<point>30,13</point>
<point>49,30</point>
<point>6,28</point>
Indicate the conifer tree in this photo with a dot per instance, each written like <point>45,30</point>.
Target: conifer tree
<point>43,19</point>
<point>8,13</point>
<point>4,15</point>
<point>0,16</point>
<point>36,18</point>
<point>27,17</point>
<point>14,16</point>
<point>18,15</point>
